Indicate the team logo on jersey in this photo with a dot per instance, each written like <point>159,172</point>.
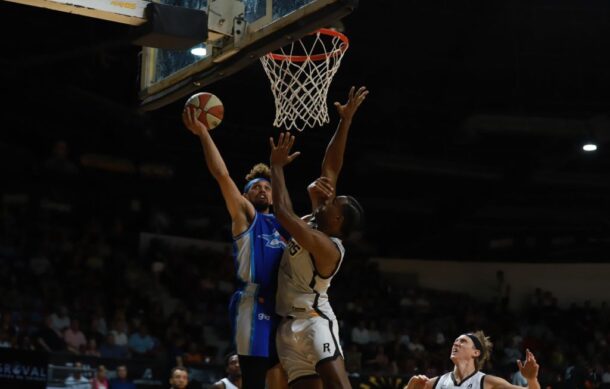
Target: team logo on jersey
<point>293,247</point>
<point>262,316</point>
<point>274,240</point>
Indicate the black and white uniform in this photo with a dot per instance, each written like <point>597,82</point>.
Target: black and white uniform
<point>228,384</point>
<point>474,381</point>
<point>308,333</point>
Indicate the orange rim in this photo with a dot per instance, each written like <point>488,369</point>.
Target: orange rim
<point>317,57</point>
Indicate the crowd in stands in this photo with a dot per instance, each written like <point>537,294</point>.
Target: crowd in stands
<point>77,277</point>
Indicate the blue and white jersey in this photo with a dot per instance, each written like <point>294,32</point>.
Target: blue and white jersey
<point>257,253</point>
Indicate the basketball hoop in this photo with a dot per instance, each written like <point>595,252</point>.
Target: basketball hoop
<point>300,75</point>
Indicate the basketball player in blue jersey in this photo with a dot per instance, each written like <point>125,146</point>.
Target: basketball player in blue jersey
<point>257,247</point>
<point>258,244</point>
<point>468,354</point>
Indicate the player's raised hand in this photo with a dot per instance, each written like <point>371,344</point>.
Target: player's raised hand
<point>417,382</point>
<point>280,153</point>
<point>194,125</point>
<point>355,98</point>
<point>529,369</point>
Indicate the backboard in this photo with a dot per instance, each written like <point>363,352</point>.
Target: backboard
<point>239,33</point>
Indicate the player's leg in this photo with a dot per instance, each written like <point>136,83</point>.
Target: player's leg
<point>251,334</point>
<point>277,378</point>
<point>310,382</point>
<point>276,375</point>
<point>253,371</point>
<point>333,375</point>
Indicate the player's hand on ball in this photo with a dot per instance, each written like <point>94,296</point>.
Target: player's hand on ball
<point>194,125</point>
<point>280,153</point>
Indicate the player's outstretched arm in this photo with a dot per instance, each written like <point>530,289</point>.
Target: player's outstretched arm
<point>529,370</point>
<point>333,158</point>
<point>420,382</point>
<point>237,205</point>
<point>324,251</point>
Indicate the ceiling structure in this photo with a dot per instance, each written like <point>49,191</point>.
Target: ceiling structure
<point>468,146</point>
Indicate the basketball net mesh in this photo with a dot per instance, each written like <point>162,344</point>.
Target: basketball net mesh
<point>300,75</point>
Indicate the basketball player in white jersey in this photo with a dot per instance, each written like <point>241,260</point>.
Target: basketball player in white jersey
<point>308,336</point>
<point>233,378</point>
<point>468,354</point>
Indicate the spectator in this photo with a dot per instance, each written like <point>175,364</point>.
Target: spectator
<point>47,338</point>
<point>76,379</point>
<point>176,349</point>
<point>109,349</point>
<point>403,337</point>
<point>416,346</point>
<point>74,337</point>
<point>512,353</point>
<point>374,334</point>
<point>360,334</point>
<point>91,348</point>
<point>100,381</point>
<point>26,343</point>
<point>60,320</point>
<point>119,332</point>
<point>193,355</point>
<point>97,329</point>
<point>141,343</point>
<point>178,378</point>
<point>518,379</point>
<point>5,339</point>
<point>122,382</point>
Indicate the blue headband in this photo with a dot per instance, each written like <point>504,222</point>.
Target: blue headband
<point>254,181</point>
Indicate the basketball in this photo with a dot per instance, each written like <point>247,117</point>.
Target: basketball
<point>208,108</point>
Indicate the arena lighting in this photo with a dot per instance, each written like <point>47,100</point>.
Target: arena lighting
<point>589,147</point>
<point>199,50</point>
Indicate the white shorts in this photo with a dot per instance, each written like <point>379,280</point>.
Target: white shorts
<point>302,344</point>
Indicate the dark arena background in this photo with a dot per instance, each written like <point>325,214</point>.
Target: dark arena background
<point>483,210</point>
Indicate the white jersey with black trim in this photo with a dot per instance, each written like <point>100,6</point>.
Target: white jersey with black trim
<point>301,291</point>
<point>228,384</point>
<point>473,381</point>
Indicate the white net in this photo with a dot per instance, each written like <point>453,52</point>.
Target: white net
<point>300,75</point>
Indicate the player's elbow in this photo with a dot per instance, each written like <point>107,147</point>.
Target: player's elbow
<point>220,174</point>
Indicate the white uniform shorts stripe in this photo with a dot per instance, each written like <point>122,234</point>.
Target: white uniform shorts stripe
<point>244,322</point>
